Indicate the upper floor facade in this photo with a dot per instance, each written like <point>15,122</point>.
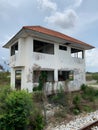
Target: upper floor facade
<point>45,54</point>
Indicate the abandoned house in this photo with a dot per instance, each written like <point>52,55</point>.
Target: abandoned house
<point>35,49</point>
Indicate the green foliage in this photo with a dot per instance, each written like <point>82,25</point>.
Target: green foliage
<point>4,92</point>
<point>18,111</point>
<point>18,105</point>
<point>60,98</point>
<point>87,108</point>
<point>42,80</point>
<point>4,77</point>
<point>36,89</point>
<point>77,100</point>
<point>83,87</point>
<point>76,111</point>
<point>76,103</point>
<point>37,119</point>
<point>88,92</point>
<point>95,76</point>
<point>61,113</point>
<point>97,81</point>
<point>38,96</point>
<point>89,77</point>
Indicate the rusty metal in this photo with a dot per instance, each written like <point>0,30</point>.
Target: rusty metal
<point>89,126</point>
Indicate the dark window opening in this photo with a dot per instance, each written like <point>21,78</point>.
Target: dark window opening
<point>77,53</point>
<point>63,48</point>
<point>43,47</point>
<point>18,79</point>
<point>49,76</point>
<point>65,75</point>
<point>14,49</point>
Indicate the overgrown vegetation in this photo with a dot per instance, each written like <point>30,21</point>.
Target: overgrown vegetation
<point>4,78</point>
<point>42,80</point>
<point>20,110</point>
<point>92,76</point>
<point>60,98</point>
<point>95,76</point>
<point>84,100</point>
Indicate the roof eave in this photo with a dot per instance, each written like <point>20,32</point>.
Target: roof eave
<point>25,32</point>
<point>21,33</point>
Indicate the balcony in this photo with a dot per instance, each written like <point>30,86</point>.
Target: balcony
<point>44,60</point>
<point>16,60</point>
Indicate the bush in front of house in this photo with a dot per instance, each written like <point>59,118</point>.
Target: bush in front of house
<point>18,105</point>
<point>89,93</point>
<point>18,108</point>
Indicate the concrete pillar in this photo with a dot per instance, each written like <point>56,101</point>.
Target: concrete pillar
<point>55,75</point>
<point>12,82</point>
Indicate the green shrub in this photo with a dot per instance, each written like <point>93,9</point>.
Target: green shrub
<point>36,119</point>
<point>17,111</point>
<point>35,89</point>
<point>96,93</point>
<point>76,111</point>
<point>4,77</point>
<point>89,94</point>
<point>76,103</point>
<point>97,81</point>
<point>87,108</point>
<point>42,80</point>
<point>38,96</point>
<point>89,77</point>
<point>83,87</point>
<point>60,113</point>
<point>95,76</point>
<point>77,100</point>
<point>4,92</point>
<point>60,98</point>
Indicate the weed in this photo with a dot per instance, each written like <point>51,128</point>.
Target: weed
<point>60,113</point>
<point>87,108</point>
<point>76,111</point>
<point>76,100</point>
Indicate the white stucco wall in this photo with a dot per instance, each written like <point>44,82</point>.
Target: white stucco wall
<point>61,60</point>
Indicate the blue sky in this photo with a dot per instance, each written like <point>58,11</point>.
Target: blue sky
<point>76,18</point>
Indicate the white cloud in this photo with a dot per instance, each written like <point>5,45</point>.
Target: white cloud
<point>92,58</point>
<point>47,5</point>
<point>77,3</point>
<point>66,19</point>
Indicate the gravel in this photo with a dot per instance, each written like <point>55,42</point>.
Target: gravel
<point>79,122</point>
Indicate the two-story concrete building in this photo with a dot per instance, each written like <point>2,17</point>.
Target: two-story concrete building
<point>35,49</point>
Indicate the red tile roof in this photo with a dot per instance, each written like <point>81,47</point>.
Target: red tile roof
<point>56,34</point>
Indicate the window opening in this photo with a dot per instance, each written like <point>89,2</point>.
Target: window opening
<point>77,53</point>
<point>36,75</point>
<point>63,48</point>
<point>65,75</point>
<point>14,49</point>
<point>43,47</point>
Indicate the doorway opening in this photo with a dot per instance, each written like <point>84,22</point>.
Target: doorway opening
<point>18,79</point>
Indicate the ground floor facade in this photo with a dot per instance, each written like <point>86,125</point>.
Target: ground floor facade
<point>28,78</point>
